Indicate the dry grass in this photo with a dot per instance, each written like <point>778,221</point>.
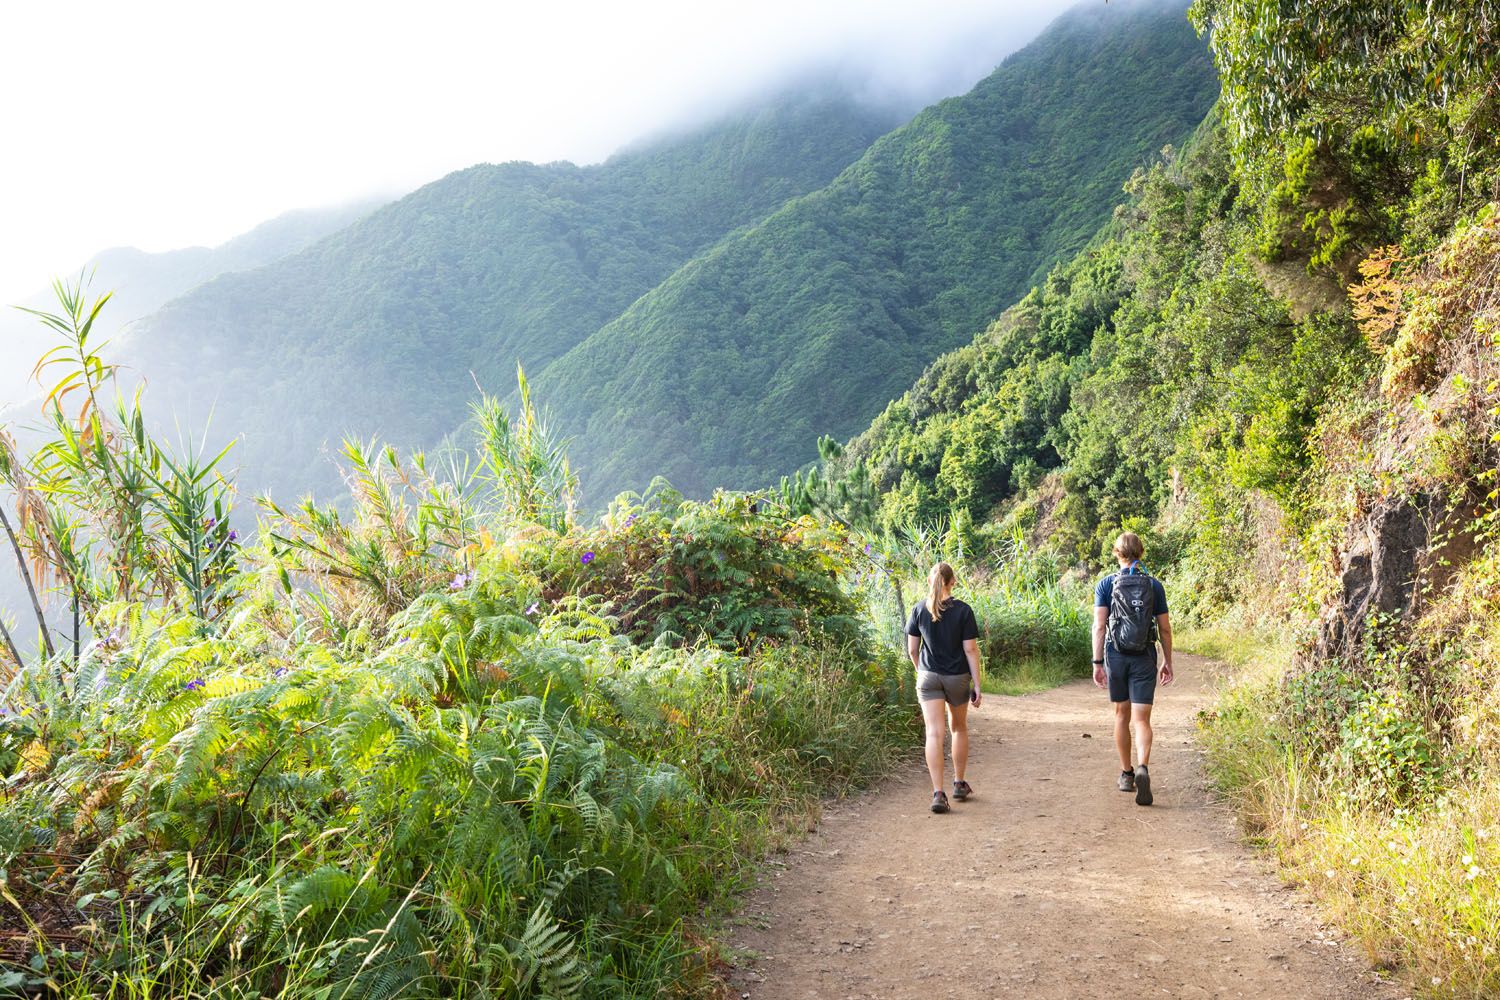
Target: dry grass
<point>1418,889</point>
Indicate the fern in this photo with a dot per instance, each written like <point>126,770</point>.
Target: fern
<point>196,747</point>
<point>326,889</point>
<point>547,958</point>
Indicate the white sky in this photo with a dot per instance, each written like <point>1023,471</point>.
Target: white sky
<point>163,123</point>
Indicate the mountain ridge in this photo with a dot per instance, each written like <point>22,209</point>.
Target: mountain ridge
<point>894,261</point>
<point>142,281</point>
<point>462,279</point>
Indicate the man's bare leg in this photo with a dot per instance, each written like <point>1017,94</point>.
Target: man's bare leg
<point>1142,715</point>
<point>1122,733</point>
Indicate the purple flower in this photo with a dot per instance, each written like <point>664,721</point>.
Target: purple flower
<point>460,581</point>
<point>631,520</point>
<point>532,610</point>
<point>588,557</point>
<point>234,536</point>
<point>194,684</point>
<point>280,672</point>
<point>867,548</point>
<point>208,523</point>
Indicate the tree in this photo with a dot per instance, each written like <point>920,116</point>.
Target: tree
<point>1325,69</point>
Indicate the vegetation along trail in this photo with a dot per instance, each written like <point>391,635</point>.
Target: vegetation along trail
<point>1048,883</point>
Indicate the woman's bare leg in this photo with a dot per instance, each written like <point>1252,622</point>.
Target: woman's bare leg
<point>934,718</point>
<point>960,716</point>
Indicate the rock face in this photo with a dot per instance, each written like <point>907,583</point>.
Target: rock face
<point>1397,553</point>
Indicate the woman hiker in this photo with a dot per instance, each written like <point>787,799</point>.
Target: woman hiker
<point>1130,615</point>
<point>943,643</point>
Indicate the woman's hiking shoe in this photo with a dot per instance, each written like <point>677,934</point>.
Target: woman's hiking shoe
<point>939,802</point>
<point>1142,786</point>
<point>1127,781</point>
<point>962,790</point>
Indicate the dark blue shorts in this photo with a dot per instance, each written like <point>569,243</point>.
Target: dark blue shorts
<point>1132,676</point>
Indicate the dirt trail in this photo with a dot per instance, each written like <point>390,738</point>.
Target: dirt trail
<point>1049,883</point>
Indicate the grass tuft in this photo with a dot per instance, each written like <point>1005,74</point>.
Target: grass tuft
<point>1416,885</point>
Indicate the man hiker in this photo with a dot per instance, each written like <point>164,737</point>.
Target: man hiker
<point>1130,614</point>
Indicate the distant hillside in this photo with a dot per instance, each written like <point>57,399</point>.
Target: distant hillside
<point>143,282</point>
<point>809,322</point>
<point>377,329</point>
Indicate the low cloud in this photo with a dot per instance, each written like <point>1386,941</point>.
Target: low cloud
<point>183,124</point>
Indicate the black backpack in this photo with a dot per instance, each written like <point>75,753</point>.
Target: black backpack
<point>1132,612</point>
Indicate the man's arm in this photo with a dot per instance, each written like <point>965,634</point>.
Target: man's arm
<point>1101,619</point>
<point>971,650</point>
<point>1164,629</point>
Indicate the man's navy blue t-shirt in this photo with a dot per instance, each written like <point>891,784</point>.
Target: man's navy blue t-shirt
<point>1105,590</point>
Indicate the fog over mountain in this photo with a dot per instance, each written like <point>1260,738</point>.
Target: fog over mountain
<point>368,100</point>
<point>140,283</point>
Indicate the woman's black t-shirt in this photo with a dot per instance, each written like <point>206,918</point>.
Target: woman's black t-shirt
<point>943,640</point>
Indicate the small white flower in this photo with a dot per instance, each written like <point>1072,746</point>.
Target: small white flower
<point>1473,872</point>
<point>1468,859</point>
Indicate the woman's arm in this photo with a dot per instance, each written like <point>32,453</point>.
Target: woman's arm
<point>971,650</point>
<point>914,650</point>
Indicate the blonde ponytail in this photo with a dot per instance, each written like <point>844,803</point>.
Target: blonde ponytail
<point>940,579</point>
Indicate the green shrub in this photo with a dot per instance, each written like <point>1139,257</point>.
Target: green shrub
<point>729,569</point>
<point>1385,755</point>
<point>442,743</point>
<point>485,799</point>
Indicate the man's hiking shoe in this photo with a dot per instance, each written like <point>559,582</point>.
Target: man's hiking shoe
<point>1142,786</point>
<point>962,790</point>
<point>1127,781</point>
<point>939,802</point>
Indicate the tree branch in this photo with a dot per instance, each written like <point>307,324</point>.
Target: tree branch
<point>36,605</point>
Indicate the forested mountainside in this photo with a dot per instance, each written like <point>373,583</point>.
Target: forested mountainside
<point>807,323</point>
<point>142,282</point>
<point>1277,362</point>
<point>1200,345</point>
<point>682,308</point>
<point>385,327</point>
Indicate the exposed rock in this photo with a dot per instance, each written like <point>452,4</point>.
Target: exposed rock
<point>1396,554</point>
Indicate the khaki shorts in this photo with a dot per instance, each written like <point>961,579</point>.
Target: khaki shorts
<point>952,688</point>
